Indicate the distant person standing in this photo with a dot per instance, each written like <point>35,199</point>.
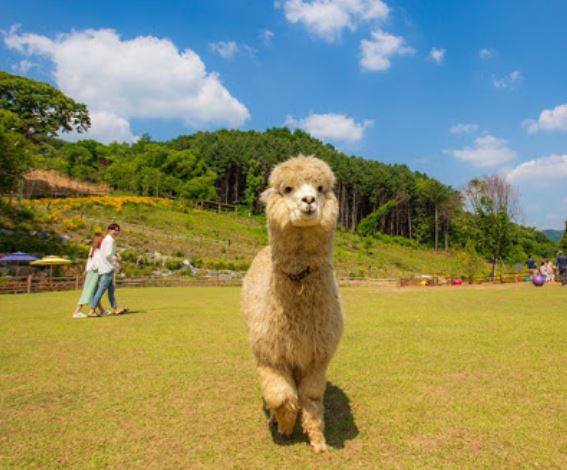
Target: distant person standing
<point>562,266</point>
<point>532,266</point>
<point>543,270</point>
<point>550,270</point>
<point>107,265</point>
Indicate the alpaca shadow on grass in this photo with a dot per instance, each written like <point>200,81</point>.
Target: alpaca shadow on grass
<point>339,422</point>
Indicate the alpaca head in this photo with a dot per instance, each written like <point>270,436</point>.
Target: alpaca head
<point>301,194</point>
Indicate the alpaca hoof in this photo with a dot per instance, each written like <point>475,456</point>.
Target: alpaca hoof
<point>285,431</point>
<point>319,447</point>
<point>285,416</point>
<point>286,425</point>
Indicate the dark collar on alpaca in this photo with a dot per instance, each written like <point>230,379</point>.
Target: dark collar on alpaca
<point>300,275</point>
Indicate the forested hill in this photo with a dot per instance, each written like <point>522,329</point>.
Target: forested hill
<point>233,166</point>
<point>555,235</point>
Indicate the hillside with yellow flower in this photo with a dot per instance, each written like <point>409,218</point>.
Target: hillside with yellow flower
<point>163,236</point>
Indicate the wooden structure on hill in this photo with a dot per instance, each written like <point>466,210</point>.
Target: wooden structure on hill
<point>49,183</point>
<point>215,206</point>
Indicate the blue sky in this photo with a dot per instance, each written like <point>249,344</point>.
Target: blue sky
<point>453,89</point>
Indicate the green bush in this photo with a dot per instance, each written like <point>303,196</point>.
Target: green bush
<point>130,270</point>
<point>174,264</point>
<point>219,264</point>
<point>129,255</point>
<point>196,261</point>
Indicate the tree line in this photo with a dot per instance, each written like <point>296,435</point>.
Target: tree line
<point>232,166</point>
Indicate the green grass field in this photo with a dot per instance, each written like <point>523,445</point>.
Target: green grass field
<point>424,378</point>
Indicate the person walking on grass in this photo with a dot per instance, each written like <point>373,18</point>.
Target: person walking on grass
<point>91,279</point>
<point>107,265</point>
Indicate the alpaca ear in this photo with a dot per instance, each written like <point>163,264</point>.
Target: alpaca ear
<point>265,196</point>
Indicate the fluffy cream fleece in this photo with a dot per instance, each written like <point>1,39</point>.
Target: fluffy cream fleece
<point>290,299</point>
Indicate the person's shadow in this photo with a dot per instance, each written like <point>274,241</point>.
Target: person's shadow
<point>339,422</point>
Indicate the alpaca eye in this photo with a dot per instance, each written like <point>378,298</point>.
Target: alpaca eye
<point>288,189</point>
<point>320,189</point>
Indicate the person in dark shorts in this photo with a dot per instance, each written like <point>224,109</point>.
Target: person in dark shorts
<point>562,267</point>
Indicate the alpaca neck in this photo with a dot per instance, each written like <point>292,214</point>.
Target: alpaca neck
<point>295,249</point>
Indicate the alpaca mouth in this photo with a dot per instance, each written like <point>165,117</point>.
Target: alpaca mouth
<point>308,214</point>
<point>305,217</point>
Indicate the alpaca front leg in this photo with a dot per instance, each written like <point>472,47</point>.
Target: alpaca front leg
<point>280,394</point>
<point>311,391</point>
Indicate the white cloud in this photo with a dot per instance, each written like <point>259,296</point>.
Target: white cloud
<point>337,127</point>
<point>463,128</point>
<point>486,53</point>
<point>251,51</point>
<point>487,151</point>
<point>145,77</point>
<point>106,128</point>
<point>225,49</point>
<point>543,180</point>
<point>437,55</point>
<point>376,53</point>
<point>508,82</point>
<point>328,18</point>
<point>266,36</point>
<point>541,172</point>
<point>24,66</point>
<point>549,120</point>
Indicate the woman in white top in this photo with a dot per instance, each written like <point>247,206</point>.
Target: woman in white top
<point>91,279</point>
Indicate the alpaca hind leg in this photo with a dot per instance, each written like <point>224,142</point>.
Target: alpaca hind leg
<point>280,394</point>
<point>311,391</point>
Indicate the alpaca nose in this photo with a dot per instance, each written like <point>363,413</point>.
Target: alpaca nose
<point>308,199</point>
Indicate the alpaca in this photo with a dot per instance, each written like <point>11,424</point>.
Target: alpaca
<point>290,298</point>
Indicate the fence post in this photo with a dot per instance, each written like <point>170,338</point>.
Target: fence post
<point>29,286</point>
<point>76,281</point>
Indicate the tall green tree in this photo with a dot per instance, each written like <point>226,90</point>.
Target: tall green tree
<point>495,204</point>
<point>436,194</point>
<point>29,111</point>
<point>254,182</point>
<point>369,225</point>
<point>42,109</point>
<point>14,152</point>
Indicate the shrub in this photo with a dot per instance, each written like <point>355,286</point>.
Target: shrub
<point>130,270</point>
<point>196,261</point>
<point>129,256</point>
<point>219,264</point>
<point>174,264</point>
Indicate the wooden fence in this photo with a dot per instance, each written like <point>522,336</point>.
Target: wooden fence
<point>30,284</point>
<point>215,206</point>
<point>442,280</point>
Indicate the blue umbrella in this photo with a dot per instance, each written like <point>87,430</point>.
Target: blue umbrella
<point>18,256</point>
